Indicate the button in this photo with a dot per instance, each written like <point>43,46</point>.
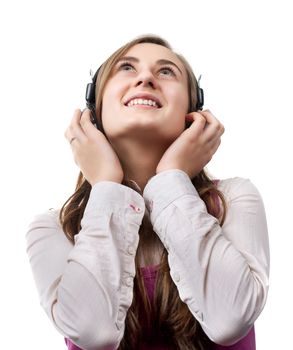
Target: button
<point>137,209</point>
<point>130,250</point>
<point>129,281</point>
<point>176,277</point>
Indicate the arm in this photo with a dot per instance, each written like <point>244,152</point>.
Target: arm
<point>86,288</point>
<point>221,272</point>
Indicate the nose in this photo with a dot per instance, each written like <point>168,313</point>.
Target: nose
<point>146,79</point>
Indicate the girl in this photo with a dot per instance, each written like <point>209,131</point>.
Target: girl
<point>150,252</point>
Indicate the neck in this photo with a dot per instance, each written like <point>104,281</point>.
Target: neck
<point>139,161</point>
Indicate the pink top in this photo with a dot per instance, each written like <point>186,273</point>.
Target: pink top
<point>149,274</point>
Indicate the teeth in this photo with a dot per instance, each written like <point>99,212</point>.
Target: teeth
<point>140,101</point>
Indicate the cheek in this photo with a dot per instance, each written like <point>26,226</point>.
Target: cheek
<point>111,101</point>
<point>108,97</point>
<point>179,109</point>
<point>179,97</point>
<point>112,92</point>
<point>111,107</point>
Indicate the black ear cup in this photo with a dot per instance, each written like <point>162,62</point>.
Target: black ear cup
<point>90,93</point>
<point>200,99</point>
<point>91,90</point>
<point>91,101</point>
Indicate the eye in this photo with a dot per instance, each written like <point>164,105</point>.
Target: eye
<point>167,71</point>
<point>126,66</point>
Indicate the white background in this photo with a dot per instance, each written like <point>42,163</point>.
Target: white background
<point>243,49</point>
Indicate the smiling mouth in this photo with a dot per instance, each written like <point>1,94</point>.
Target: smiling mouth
<point>144,103</point>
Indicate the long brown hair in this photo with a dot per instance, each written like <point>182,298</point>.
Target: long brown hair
<point>166,313</point>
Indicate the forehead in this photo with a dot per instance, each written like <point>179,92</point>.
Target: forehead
<point>153,52</point>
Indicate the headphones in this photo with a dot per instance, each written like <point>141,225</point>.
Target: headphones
<point>91,99</point>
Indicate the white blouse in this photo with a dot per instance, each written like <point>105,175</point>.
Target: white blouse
<point>222,273</point>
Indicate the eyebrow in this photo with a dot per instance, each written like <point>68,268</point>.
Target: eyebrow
<point>162,61</point>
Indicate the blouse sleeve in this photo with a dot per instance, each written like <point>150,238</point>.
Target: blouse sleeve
<point>86,288</point>
<point>221,272</point>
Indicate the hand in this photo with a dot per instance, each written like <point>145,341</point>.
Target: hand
<point>92,151</point>
<point>195,147</point>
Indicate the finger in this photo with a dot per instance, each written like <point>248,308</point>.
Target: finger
<point>211,119</point>
<point>213,132</point>
<point>215,143</point>
<point>215,146</point>
<point>86,124</point>
<point>74,130</point>
<point>209,153</point>
<point>198,120</point>
<point>70,129</point>
<point>208,114</point>
<point>215,127</point>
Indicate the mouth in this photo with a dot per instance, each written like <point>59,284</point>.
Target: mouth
<point>138,102</point>
<point>144,101</point>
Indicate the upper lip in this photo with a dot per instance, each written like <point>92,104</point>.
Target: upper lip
<point>145,96</point>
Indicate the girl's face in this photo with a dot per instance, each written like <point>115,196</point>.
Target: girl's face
<point>146,95</point>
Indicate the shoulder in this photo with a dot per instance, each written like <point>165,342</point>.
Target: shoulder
<point>236,187</point>
<point>45,224</point>
<point>49,217</point>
